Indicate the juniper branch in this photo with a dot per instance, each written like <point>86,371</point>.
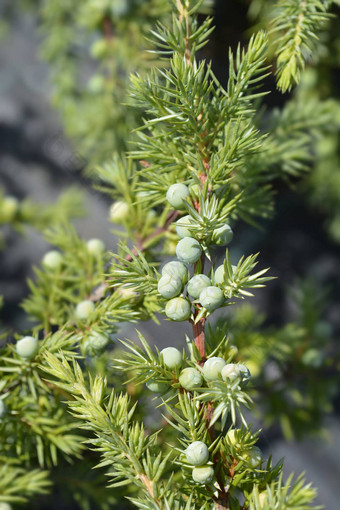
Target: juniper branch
<point>297,24</point>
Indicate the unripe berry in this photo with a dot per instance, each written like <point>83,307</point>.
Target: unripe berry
<point>5,506</point>
<point>211,298</point>
<point>254,368</point>
<point>99,48</point>
<point>178,309</point>
<point>99,340</point>
<point>9,209</point>
<point>96,84</point>
<point>195,189</point>
<point>3,409</point>
<point>234,370</point>
<point>212,368</point>
<point>197,453</point>
<point>197,284</point>
<point>52,260</point>
<point>95,246</point>
<point>231,437</point>
<point>176,268</point>
<point>253,457</point>
<point>219,274</point>
<point>157,387</point>
<point>96,343</point>
<point>183,231</point>
<point>190,378</point>
<point>84,309</point>
<point>120,7</point>
<point>203,474</point>
<point>233,351</point>
<point>119,211</point>
<point>230,372</point>
<point>188,250</point>
<point>312,358</point>
<point>172,357</point>
<point>27,347</point>
<point>89,351</point>
<point>222,236</point>
<point>169,286</point>
<point>177,194</point>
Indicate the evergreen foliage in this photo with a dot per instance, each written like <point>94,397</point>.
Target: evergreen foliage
<point>317,146</point>
<point>17,485</point>
<point>90,76</point>
<point>92,47</point>
<point>298,23</point>
<point>64,401</point>
<point>20,214</point>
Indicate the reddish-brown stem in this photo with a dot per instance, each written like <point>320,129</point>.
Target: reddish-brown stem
<point>232,468</point>
<point>199,338</point>
<point>143,242</point>
<point>99,291</point>
<point>198,328</point>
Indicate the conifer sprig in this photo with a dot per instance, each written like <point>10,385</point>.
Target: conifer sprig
<point>238,278</point>
<point>297,23</point>
<point>18,485</point>
<point>34,414</point>
<point>19,214</point>
<point>291,495</point>
<point>133,271</point>
<point>123,444</point>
